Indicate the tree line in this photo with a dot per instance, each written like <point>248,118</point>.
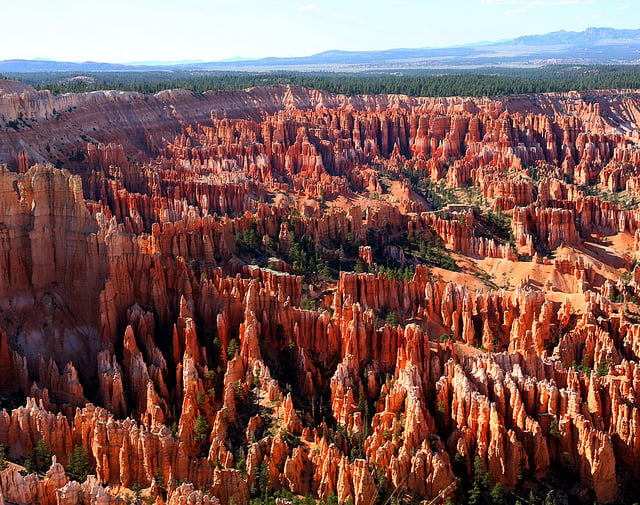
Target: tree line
<point>432,83</point>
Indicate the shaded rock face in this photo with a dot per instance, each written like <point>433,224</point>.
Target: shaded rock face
<point>134,325</point>
<point>52,267</point>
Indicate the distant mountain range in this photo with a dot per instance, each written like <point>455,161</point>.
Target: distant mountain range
<point>591,46</point>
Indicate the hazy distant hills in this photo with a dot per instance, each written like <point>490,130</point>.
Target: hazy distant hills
<point>591,36</point>
<point>10,66</point>
<point>591,46</point>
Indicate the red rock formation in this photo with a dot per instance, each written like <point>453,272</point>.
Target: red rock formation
<point>132,285</point>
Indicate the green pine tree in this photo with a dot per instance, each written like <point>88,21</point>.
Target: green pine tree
<point>201,428</point>
<point>78,467</point>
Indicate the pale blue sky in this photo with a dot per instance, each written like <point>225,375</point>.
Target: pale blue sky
<point>136,30</point>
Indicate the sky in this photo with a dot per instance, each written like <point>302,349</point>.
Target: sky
<point>211,30</point>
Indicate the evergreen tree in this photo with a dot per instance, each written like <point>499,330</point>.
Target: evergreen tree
<point>201,428</point>
<point>39,460</point>
<point>232,348</point>
<point>78,467</point>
